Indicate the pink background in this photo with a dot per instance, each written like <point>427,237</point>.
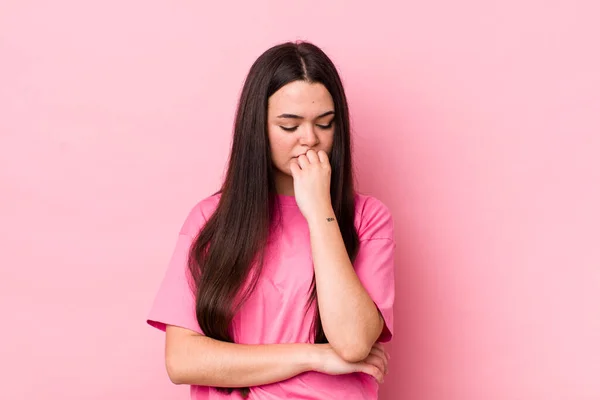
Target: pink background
<point>477,122</point>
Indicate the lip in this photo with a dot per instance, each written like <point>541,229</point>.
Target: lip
<point>301,154</point>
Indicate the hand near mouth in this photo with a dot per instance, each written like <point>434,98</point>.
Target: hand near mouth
<point>312,177</point>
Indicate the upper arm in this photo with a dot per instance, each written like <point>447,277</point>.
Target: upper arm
<point>175,302</point>
<point>176,335</point>
<point>174,307</point>
<point>176,344</point>
<point>374,263</point>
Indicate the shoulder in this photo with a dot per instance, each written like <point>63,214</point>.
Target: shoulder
<point>199,214</point>
<point>373,218</point>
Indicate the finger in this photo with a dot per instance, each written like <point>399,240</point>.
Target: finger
<point>323,157</point>
<point>312,156</point>
<point>376,352</point>
<point>380,346</point>
<point>379,352</point>
<point>384,358</point>
<point>370,370</point>
<point>294,169</point>
<point>378,362</point>
<point>303,161</point>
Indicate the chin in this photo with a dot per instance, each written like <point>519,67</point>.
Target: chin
<point>283,171</point>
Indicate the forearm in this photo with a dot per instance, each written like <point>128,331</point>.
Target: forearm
<point>199,360</point>
<point>350,319</point>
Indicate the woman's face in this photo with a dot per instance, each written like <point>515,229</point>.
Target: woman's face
<point>300,118</point>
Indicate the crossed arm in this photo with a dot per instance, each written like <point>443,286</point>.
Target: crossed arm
<point>350,319</point>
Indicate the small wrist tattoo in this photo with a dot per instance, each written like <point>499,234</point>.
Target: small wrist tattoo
<point>330,219</point>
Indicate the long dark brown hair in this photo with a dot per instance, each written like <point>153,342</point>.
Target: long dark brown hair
<point>230,247</point>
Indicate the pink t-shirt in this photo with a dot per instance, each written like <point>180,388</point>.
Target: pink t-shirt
<point>275,313</point>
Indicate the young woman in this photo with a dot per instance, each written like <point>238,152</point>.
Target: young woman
<point>281,285</point>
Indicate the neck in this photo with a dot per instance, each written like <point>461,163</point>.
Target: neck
<point>284,184</point>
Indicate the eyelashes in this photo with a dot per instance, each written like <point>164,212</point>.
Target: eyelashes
<point>293,128</point>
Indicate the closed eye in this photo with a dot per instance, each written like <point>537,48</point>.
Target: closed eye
<point>293,128</point>
<point>328,126</point>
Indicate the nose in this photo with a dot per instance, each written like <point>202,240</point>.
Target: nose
<point>309,136</point>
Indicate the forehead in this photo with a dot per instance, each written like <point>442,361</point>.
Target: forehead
<point>301,98</point>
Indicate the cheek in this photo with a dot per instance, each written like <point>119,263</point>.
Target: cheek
<point>327,142</point>
<point>281,148</point>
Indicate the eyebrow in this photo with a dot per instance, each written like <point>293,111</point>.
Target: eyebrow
<point>293,116</point>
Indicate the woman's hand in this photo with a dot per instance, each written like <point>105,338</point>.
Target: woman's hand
<point>312,177</point>
<point>329,362</point>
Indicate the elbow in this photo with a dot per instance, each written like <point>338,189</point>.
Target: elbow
<point>353,348</point>
<point>174,369</point>
<point>353,352</point>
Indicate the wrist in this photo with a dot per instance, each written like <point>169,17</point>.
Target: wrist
<point>324,214</point>
<point>313,356</point>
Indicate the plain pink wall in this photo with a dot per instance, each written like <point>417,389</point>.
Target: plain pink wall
<point>478,123</point>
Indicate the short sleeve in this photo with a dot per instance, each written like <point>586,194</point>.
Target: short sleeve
<point>374,263</point>
<point>174,303</point>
